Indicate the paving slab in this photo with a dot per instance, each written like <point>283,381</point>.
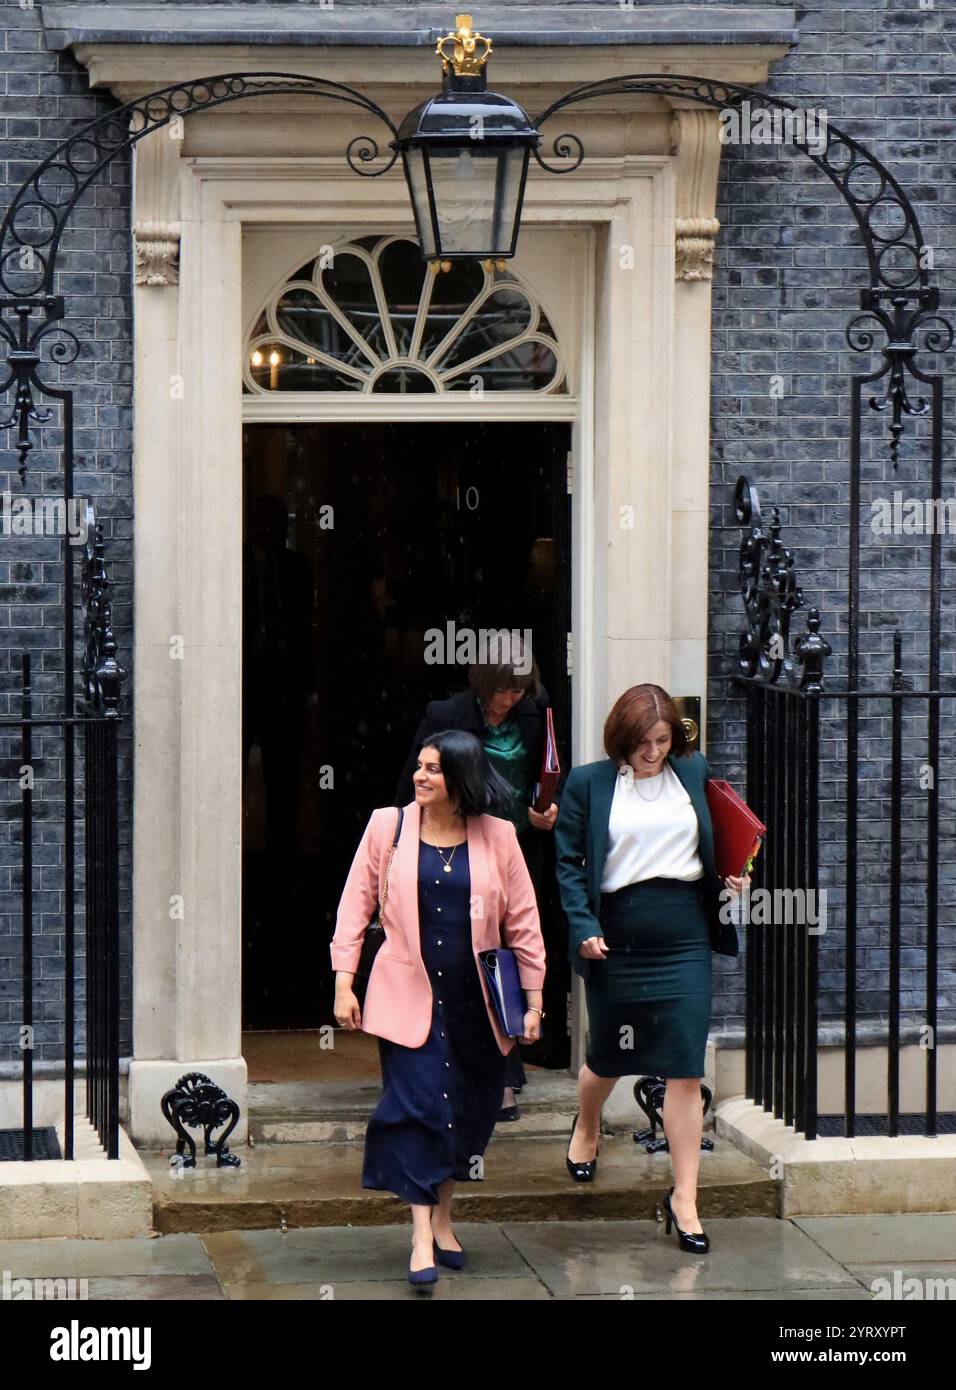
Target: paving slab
<point>751,1259</point>
<point>912,1237</point>
<point>453,1286</point>
<point>825,1295</point>
<point>934,1282</point>
<point>332,1256</point>
<point>174,1288</point>
<point>88,1259</point>
<point>621,1256</point>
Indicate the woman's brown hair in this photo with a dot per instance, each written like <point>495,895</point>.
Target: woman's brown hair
<point>636,711</point>
<point>485,678</point>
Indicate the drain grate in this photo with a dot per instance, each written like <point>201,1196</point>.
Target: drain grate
<point>834,1126</point>
<point>45,1144</point>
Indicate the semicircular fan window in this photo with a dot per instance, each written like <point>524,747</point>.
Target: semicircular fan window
<point>374,318</point>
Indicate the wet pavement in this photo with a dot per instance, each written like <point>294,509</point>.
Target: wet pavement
<point>839,1258</point>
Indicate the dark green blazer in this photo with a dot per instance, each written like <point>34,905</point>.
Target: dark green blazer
<point>581,834</point>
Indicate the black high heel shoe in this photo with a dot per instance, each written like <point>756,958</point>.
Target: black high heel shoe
<point>581,1172</point>
<point>697,1242</point>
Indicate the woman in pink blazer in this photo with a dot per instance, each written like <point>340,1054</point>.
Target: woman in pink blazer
<point>458,885</point>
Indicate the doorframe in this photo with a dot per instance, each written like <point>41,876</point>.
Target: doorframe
<point>187,463</point>
<point>576,410</point>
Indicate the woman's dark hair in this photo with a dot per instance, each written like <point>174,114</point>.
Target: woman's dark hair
<point>484,678</point>
<point>469,777</point>
<point>636,711</point>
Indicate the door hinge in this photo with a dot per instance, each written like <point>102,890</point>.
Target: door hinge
<point>570,654</point>
<point>570,473</point>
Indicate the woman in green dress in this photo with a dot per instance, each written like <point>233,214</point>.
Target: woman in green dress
<point>506,707</point>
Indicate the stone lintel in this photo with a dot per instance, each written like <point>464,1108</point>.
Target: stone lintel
<point>416,26</point>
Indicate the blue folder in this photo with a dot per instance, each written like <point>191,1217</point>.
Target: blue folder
<point>504,986</point>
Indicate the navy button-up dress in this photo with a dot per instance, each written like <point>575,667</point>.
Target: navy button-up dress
<point>439,1101</point>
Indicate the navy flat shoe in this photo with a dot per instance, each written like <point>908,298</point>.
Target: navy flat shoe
<point>451,1259</point>
<point>423,1277</point>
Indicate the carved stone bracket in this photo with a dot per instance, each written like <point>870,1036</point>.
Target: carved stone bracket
<point>695,141</point>
<point>157,252</point>
<point>694,247</point>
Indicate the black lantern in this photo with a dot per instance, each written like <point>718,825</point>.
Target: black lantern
<point>466,158</point>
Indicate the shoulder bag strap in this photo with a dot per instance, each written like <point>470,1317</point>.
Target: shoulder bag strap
<point>391,855</point>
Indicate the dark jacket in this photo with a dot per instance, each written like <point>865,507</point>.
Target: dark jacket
<point>463,712</point>
<point>581,835</point>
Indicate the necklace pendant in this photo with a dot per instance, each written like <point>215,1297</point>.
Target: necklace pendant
<point>447,868</point>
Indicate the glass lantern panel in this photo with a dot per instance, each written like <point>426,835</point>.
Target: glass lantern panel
<point>476,197</point>
<point>418,187</point>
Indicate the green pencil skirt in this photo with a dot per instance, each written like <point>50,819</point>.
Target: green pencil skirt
<point>649,1000</point>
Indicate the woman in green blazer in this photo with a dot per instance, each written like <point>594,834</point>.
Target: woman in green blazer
<point>639,886</point>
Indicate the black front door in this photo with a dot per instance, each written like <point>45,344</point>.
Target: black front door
<point>359,541</point>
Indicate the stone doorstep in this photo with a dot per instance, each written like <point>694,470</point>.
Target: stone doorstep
<point>338,1123</point>
<point>303,1129</point>
<point>320,1185</point>
<point>88,1196</point>
<point>873,1175</point>
<point>337,1112</point>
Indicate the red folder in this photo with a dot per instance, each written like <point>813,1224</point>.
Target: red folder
<point>550,768</point>
<point>738,834</point>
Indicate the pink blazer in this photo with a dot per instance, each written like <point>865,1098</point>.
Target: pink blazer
<point>398,1001</point>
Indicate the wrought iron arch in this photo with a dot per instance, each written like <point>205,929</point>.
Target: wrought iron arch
<point>899,299</point>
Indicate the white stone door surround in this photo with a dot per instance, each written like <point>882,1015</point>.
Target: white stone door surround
<point>640,505</point>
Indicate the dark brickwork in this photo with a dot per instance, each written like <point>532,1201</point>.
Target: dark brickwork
<point>788,270</point>
<point>45,97</point>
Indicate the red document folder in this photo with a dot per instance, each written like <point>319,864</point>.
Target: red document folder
<point>738,834</point>
<point>550,768</point>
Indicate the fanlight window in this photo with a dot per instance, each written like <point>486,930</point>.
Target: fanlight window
<point>378,320</point>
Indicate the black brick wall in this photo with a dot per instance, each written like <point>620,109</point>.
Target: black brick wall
<point>45,97</point>
<point>788,269</point>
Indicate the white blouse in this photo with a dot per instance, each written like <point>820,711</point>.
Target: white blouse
<point>652,831</point>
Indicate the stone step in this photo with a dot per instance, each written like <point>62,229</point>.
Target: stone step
<point>337,1112</point>
<point>319,1184</point>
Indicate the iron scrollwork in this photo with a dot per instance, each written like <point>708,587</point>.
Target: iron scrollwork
<point>35,221</point>
<point>24,358</point>
<point>38,215</point>
<point>889,228</point>
<point>901,323</point>
<point>102,674</point>
<point>196,1100</point>
<point>649,1094</point>
<point>899,295</point>
<point>771,594</point>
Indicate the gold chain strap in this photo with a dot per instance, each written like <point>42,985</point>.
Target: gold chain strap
<point>388,869</point>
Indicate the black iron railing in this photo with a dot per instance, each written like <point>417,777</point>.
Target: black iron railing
<point>783,754</point>
<point>92,1032</point>
<point>804,780</point>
